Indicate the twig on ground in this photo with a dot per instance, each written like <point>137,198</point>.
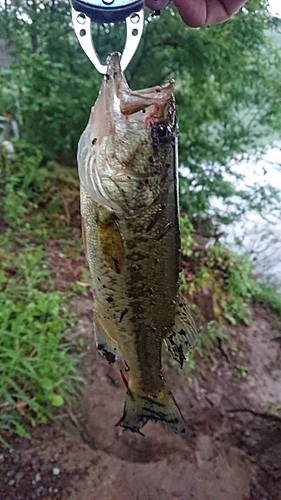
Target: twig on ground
<point>224,351</point>
<point>77,424</point>
<point>264,415</point>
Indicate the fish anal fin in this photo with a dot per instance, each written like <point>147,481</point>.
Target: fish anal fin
<point>111,243</point>
<point>104,342</point>
<point>183,335</point>
<point>161,408</point>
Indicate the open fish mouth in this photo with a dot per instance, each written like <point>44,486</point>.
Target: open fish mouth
<point>154,104</point>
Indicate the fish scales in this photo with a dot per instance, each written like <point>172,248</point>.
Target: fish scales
<point>129,207</point>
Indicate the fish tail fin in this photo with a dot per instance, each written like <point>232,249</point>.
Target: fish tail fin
<point>161,408</point>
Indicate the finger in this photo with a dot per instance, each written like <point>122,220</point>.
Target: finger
<point>206,12</point>
<point>157,4</point>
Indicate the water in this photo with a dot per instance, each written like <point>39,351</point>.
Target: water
<point>260,237</point>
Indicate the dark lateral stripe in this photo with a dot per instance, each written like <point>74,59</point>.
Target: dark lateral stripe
<point>123,314</point>
<point>165,231</point>
<point>157,416</point>
<point>155,218</point>
<point>116,264</point>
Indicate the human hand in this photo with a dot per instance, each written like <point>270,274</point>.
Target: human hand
<point>196,13</point>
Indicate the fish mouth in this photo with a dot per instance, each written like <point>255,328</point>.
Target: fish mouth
<point>148,106</point>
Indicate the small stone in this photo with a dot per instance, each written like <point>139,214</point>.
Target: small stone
<point>1,458</point>
<point>204,451</point>
<point>56,471</point>
<point>11,482</point>
<point>37,477</point>
<point>19,475</point>
<point>214,399</point>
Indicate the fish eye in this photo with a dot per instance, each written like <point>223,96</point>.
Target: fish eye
<point>162,133</point>
<point>161,130</point>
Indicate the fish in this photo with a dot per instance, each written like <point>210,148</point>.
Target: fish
<point>127,162</point>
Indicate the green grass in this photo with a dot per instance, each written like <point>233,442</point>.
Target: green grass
<point>269,296</point>
<point>226,279</point>
<point>208,339</point>
<point>37,362</point>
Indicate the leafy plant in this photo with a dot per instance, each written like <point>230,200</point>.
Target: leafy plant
<point>186,230</point>
<point>268,295</point>
<point>38,363</point>
<point>242,370</point>
<point>38,199</point>
<point>236,273</point>
<point>21,182</point>
<point>225,278</point>
<point>208,339</point>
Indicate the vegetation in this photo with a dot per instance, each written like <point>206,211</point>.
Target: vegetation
<point>39,199</point>
<point>227,92</point>
<point>221,286</point>
<point>37,369</point>
<point>269,295</point>
<point>38,361</point>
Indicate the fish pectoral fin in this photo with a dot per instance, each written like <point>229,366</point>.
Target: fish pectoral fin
<point>161,408</point>
<point>111,243</point>
<point>104,342</point>
<point>183,335</point>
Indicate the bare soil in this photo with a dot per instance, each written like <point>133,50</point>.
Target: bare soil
<point>223,456</point>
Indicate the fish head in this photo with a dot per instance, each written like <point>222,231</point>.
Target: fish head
<point>129,140</point>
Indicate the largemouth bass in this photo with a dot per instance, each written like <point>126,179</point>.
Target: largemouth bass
<point>127,161</point>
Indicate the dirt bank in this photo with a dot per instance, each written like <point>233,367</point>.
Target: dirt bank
<point>223,456</point>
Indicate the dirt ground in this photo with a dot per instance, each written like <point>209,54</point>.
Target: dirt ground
<point>223,456</point>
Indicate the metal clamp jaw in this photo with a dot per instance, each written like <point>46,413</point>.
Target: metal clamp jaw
<point>108,11</point>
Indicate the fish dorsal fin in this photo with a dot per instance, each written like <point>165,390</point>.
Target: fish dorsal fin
<point>105,344</point>
<point>183,335</point>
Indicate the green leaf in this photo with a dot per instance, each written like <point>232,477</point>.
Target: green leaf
<point>47,384</point>
<point>56,400</point>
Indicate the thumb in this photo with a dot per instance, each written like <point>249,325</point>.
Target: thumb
<point>157,4</point>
